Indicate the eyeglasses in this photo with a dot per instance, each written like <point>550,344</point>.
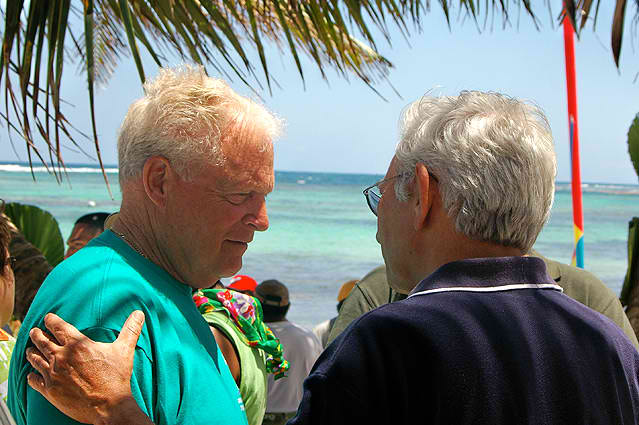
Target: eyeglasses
<point>373,197</point>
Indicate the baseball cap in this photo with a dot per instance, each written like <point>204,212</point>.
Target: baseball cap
<point>96,219</point>
<point>272,292</point>
<point>242,282</point>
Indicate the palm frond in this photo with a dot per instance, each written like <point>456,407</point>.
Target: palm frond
<point>109,47</point>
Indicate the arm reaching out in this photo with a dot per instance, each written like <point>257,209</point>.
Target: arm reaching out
<point>86,380</point>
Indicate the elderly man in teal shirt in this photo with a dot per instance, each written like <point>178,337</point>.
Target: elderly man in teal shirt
<point>195,166</point>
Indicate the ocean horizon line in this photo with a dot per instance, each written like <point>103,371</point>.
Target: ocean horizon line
<point>23,167</point>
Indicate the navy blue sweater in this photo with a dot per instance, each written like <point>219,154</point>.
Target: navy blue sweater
<point>482,341</point>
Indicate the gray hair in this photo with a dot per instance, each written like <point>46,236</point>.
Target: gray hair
<point>183,116</point>
<point>494,158</point>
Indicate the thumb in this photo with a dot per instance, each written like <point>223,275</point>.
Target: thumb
<point>131,331</point>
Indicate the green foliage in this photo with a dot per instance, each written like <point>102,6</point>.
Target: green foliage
<point>633,143</point>
<point>40,228</point>
<point>633,232</point>
<point>633,261</point>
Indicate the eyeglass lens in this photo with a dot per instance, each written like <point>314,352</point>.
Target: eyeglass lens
<point>373,200</point>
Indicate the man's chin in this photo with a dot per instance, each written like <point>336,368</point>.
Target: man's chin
<point>232,270</point>
<point>215,275</point>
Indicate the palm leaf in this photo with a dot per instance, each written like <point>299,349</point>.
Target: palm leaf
<point>88,33</point>
<point>40,228</point>
<point>128,26</point>
<point>630,280</point>
<point>633,143</point>
<point>108,45</point>
<point>617,29</point>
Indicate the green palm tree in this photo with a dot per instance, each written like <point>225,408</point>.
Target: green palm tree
<point>41,35</point>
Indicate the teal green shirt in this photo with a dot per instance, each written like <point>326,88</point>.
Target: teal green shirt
<point>179,376</point>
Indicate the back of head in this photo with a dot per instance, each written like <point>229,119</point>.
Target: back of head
<point>184,116</point>
<point>273,296</point>
<point>494,158</point>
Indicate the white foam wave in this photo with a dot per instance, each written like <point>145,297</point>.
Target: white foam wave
<point>17,168</point>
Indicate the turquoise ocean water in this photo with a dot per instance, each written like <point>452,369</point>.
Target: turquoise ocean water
<point>322,232</point>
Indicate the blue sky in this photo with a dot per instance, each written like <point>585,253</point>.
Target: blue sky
<point>343,126</point>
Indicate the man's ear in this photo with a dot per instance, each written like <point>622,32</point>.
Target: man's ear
<point>155,177</point>
<point>423,197</point>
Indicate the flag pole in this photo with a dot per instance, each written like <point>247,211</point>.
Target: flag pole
<point>571,86</point>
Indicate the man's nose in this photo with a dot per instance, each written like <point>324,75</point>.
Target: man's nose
<point>258,219</point>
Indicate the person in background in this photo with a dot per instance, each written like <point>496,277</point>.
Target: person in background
<point>374,291</point>
<point>7,295</point>
<point>322,330</point>
<point>249,347</point>
<point>301,349</point>
<point>195,163</point>
<point>244,284</point>
<point>85,228</point>
<point>30,269</point>
<point>371,291</point>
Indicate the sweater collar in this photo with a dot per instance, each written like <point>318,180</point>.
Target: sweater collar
<point>487,272</point>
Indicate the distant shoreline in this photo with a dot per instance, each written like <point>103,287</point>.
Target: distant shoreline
<point>309,177</point>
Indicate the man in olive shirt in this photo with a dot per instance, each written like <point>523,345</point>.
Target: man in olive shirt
<point>581,285</point>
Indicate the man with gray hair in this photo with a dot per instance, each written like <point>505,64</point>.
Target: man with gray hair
<point>196,163</point>
<point>485,335</point>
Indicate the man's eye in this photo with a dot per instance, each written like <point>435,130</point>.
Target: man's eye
<point>237,198</point>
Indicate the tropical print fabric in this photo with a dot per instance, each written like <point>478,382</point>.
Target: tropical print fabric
<point>246,313</point>
<point>7,342</point>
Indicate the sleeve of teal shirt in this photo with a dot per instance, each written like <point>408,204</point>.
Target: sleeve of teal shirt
<point>40,411</point>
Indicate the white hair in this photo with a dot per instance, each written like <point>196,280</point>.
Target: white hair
<point>494,158</point>
<point>183,116</point>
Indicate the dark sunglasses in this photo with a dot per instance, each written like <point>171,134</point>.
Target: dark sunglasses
<point>373,194</point>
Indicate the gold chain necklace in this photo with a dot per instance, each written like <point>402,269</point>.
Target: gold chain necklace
<point>129,242</point>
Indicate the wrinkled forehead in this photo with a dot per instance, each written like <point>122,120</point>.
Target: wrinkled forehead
<point>248,165</point>
<point>253,152</point>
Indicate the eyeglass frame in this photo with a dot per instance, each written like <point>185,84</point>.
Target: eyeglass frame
<point>376,197</point>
